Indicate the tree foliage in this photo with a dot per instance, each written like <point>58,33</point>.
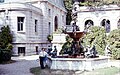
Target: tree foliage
<point>5,37</point>
<point>99,2</point>
<point>68,5</point>
<point>5,44</point>
<point>113,40</point>
<point>96,36</point>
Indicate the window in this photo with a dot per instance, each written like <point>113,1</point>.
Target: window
<point>21,50</point>
<point>63,18</point>
<point>20,22</point>
<point>36,22</point>
<point>49,12</point>
<point>49,24</point>
<point>118,24</point>
<point>55,23</point>
<point>106,23</point>
<point>88,24</point>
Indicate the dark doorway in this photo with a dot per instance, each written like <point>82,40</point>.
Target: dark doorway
<point>36,49</point>
<point>21,51</point>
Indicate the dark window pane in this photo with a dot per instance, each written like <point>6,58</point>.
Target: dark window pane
<point>18,27</point>
<point>21,26</point>
<point>20,21</point>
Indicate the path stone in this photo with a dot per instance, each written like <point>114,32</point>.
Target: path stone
<point>20,67</point>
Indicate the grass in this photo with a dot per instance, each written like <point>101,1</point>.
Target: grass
<point>103,71</point>
<point>35,71</point>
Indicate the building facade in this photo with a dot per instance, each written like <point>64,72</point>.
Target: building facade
<point>31,21</point>
<point>107,16</point>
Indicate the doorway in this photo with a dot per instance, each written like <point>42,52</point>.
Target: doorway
<point>36,48</point>
<point>21,51</point>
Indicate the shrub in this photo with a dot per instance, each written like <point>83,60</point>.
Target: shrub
<point>113,40</point>
<point>96,36</point>
<point>50,38</point>
<point>66,48</point>
<point>5,44</point>
<point>5,55</point>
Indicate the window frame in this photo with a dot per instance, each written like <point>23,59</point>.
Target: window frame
<point>36,24</point>
<point>20,23</point>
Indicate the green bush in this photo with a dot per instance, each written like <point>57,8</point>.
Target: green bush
<point>96,36</point>
<point>66,48</point>
<point>0,56</point>
<point>5,55</point>
<point>113,40</point>
<point>50,38</point>
<point>5,44</point>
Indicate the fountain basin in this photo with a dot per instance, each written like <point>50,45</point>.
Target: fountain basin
<point>78,63</point>
<point>75,35</point>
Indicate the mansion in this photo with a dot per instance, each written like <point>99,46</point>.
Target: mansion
<point>31,21</point>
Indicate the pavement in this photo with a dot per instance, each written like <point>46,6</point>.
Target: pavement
<point>22,66</point>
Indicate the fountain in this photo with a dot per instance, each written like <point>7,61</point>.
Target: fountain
<point>88,62</point>
<point>75,34</point>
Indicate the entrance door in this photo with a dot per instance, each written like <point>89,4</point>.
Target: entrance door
<point>21,51</point>
<point>36,49</point>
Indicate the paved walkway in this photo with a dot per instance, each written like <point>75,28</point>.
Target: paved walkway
<point>21,66</point>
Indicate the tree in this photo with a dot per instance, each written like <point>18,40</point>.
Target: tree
<point>113,40</point>
<point>5,37</point>
<point>98,2</point>
<point>68,5</point>
<point>5,44</point>
<point>96,36</point>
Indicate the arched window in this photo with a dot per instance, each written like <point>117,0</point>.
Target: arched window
<point>88,24</point>
<point>56,23</point>
<point>106,23</point>
<point>118,24</point>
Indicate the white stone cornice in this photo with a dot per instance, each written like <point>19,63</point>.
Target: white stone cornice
<point>19,6</point>
<point>99,8</point>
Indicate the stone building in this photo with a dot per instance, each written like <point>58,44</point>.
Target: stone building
<point>107,16</point>
<point>31,21</point>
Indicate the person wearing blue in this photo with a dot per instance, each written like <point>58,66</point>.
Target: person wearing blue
<point>42,57</point>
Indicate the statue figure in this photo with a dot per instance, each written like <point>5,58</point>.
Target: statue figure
<point>75,27</point>
<point>107,51</point>
<point>54,53</point>
<point>49,50</point>
<point>87,52</point>
<point>91,52</point>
